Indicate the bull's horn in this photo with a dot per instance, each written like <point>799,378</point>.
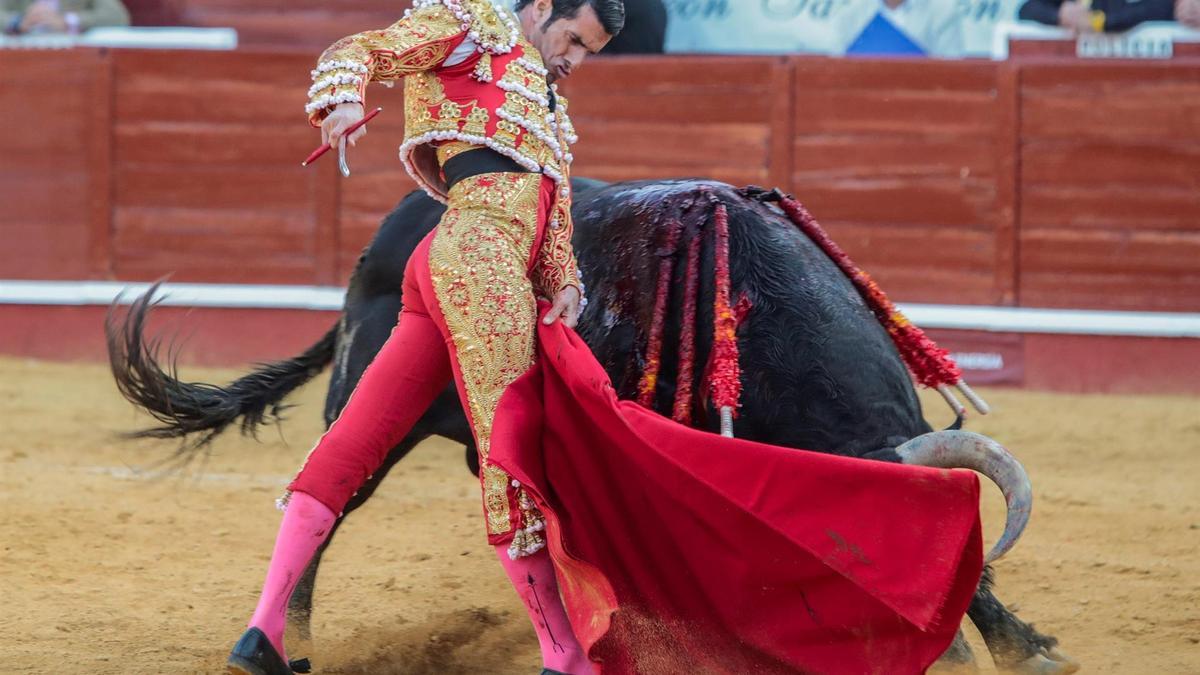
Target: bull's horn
<point>967,450</point>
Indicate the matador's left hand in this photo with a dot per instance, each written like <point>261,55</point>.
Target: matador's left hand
<point>566,307</point>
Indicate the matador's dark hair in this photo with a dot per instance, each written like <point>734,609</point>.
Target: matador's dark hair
<point>611,12</point>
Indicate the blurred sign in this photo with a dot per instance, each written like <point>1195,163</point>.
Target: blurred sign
<point>985,358</point>
<point>1150,40</point>
<point>946,28</point>
<point>765,26</point>
<point>1145,44</point>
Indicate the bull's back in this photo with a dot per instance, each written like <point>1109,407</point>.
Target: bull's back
<point>819,371</point>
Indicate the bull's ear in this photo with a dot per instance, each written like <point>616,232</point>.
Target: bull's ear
<point>958,423</point>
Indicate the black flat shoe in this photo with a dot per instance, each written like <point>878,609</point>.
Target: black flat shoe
<point>255,655</point>
<point>547,671</point>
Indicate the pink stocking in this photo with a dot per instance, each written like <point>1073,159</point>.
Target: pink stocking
<point>533,577</point>
<point>306,525</point>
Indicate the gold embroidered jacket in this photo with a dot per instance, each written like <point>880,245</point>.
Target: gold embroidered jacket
<point>497,97</point>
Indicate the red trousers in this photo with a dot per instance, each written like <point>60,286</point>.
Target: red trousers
<point>469,313</point>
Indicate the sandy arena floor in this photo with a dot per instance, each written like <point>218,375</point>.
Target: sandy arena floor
<point>105,569</point>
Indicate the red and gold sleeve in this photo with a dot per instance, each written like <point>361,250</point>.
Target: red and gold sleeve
<point>420,41</point>
<point>556,268</point>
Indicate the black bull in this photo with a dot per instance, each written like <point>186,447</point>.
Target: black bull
<point>819,371</point>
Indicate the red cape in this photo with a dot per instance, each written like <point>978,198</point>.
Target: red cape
<point>678,549</point>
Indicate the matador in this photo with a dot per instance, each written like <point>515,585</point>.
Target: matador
<point>636,544</point>
<point>486,133</point>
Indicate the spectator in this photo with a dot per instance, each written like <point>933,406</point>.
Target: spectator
<point>1187,12</point>
<point>1097,16</point>
<point>60,16</point>
<point>645,29</point>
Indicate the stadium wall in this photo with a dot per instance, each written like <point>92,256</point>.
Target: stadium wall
<point>1037,183</point>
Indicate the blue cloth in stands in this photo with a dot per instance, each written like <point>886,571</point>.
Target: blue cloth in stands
<point>882,37</point>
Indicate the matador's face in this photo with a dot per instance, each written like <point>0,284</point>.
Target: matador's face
<point>566,42</point>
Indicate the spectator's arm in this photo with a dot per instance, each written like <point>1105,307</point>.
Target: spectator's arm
<point>104,13</point>
<point>1132,14</point>
<point>1041,11</point>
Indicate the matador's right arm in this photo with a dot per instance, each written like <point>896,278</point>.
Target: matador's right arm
<point>422,40</point>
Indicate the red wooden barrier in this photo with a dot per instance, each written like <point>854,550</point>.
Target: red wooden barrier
<point>1041,183</point>
<point>908,165</point>
<point>668,117</point>
<point>308,24</point>
<point>1110,185</point>
<point>54,164</point>
<point>208,182</point>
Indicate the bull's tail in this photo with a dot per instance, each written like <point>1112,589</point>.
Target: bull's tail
<point>197,412</point>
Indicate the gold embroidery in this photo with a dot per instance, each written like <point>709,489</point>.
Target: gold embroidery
<point>423,93</point>
<point>495,499</point>
<point>450,149</point>
<point>426,89</point>
<point>477,121</point>
<point>487,24</point>
<point>416,43</point>
<point>506,133</point>
<point>449,115</point>
<point>477,263</point>
<point>387,65</point>
<point>555,267</point>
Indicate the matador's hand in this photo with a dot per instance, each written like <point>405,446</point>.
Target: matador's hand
<point>566,307</point>
<point>341,118</point>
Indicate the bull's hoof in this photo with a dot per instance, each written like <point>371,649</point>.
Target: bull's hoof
<point>1053,662</point>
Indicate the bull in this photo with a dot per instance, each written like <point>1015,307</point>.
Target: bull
<point>820,372</point>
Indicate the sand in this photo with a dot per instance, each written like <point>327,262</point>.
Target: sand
<point>107,568</point>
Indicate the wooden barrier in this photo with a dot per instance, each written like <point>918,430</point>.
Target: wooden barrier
<point>1110,185</point>
<point>713,117</point>
<point>308,24</point>
<point>207,176</point>
<point>55,159</point>
<point>909,166</point>
<point>1040,182</point>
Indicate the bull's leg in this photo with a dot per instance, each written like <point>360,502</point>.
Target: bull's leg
<point>1015,645</point>
<point>958,659</point>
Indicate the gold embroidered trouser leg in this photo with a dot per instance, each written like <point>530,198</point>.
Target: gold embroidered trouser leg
<point>479,259</point>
